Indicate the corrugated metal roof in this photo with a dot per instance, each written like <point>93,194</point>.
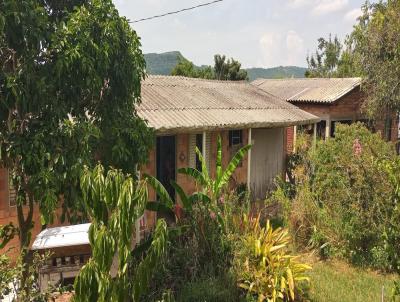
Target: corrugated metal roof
<point>72,235</point>
<point>178,104</point>
<point>318,90</point>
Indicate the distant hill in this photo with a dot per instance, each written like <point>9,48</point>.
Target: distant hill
<point>279,72</point>
<point>163,63</point>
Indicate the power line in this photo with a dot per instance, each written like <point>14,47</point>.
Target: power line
<point>176,12</point>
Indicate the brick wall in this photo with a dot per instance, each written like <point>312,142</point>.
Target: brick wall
<point>182,160</point>
<point>9,214</point>
<point>347,107</point>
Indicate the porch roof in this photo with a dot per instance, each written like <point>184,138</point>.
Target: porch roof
<point>314,90</point>
<point>71,235</point>
<point>178,104</point>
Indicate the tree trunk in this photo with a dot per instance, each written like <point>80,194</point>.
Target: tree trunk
<point>25,228</point>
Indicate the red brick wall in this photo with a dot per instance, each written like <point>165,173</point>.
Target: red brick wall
<point>8,214</point>
<point>289,140</point>
<point>182,160</point>
<point>349,107</point>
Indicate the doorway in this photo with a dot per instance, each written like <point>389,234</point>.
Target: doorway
<point>166,165</point>
<point>267,160</point>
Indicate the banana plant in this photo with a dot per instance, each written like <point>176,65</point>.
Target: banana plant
<point>214,187</point>
<point>211,189</point>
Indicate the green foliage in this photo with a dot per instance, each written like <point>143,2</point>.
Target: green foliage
<point>114,203</point>
<point>335,280</point>
<point>228,69</point>
<point>219,246</point>
<point>199,250</point>
<point>70,74</point>
<point>11,273</point>
<point>346,183</point>
<point>332,59</point>
<point>214,187</point>
<point>188,69</point>
<point>210,289</point>
<point>223,70</point>
<point>375,42</point>
<point>279,72</point>
<point>162,63</point>
<point>7,233</point>
<point>395,295</point>
<point>262,263</point>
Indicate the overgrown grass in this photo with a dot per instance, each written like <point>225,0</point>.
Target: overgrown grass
<point>333,281</point>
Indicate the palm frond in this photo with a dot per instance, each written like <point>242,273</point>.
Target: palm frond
<point>162,193</point>
<point>233,165</point>
<point>196,174</point>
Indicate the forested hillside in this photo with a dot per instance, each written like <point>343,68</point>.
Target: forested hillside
<point>163,63</point>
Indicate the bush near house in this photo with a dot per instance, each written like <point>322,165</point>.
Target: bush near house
<point>344,198</point>
<point>219,252</point>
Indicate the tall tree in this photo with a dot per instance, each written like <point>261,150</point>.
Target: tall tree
<point>375,41</point>
<point>70,74</point>
<point>228,69</point>
<point>225,70</point>
<point>333,59</point>
<point>325,60</point>
<point>186,68</point>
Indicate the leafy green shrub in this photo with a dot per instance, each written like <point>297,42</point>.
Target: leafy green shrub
<point>199,248</point>
<point>211,289</point>
<point>212,242</point>
<point>115,202</point>
<point>263,266</point>
<point>11,274</point>
<point>346,197</point>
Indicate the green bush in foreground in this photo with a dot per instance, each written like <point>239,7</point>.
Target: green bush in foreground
<point>262,262</point>
<point>212,256</point>
<point>346,197</point>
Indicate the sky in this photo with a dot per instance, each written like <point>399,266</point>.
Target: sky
<point>258,33</point>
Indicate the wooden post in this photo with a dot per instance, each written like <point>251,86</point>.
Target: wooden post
<point>249,161</point>
<point>315,136</point>
<point>328,128</point>
<point>204,146</point>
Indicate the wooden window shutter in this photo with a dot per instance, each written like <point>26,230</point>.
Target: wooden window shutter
<point>208,151</point>
<point>12,194</point>
<point>192,151</point>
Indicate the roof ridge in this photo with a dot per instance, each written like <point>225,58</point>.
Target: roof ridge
<point>306,79</point>
<point>195,79</point>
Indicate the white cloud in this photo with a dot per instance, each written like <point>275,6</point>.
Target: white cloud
<point>299,3</point>
<point>295,47</point>
<point>271,45</point>
<point>281,48</point>
<point>351,16</point>
<point>324,7</point>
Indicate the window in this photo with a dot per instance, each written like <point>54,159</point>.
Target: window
<point>12,194</point>
<point>235,138</point>
<point>199,145</point>
<point>388,129</point>
<point>198,140</point>
<point>334,123</point>
<point>321,129</point>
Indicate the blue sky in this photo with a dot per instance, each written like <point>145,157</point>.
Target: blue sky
<point>258,33</point>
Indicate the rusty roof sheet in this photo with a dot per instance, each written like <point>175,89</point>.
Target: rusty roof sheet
<point>178,104</point>
<point>317,90</point>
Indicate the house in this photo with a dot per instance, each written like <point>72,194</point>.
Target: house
<point>333,100</point>
<point>186,113</point>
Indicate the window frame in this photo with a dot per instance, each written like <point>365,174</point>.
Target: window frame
<point>12,194</point>
<point>235,134</point>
